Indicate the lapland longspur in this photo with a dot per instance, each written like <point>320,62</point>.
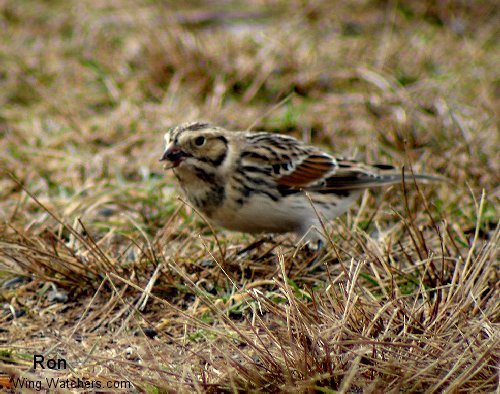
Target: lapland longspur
<point>264,182</point>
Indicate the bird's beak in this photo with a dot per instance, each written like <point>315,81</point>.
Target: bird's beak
<point>173,155</point>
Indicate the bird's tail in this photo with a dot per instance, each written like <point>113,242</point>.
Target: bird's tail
<point>362,176</point>
<point>385,177</point>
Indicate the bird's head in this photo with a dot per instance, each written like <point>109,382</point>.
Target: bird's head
<point>194,144</point>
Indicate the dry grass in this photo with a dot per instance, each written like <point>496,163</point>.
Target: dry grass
<point>103,266</point>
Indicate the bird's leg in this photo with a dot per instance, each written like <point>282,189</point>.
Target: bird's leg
<point>318,251</point>
<point>314,247</point>
<point>254,245</point>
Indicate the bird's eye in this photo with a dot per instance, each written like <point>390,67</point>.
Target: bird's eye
<point>199,141</point>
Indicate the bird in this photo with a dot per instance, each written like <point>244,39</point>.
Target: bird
<point>260,182</point>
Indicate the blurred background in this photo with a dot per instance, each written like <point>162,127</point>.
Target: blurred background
<point>87,88</point>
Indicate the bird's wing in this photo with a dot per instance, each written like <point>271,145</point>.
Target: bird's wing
<point>286,160</point>
<point>307,171</point>
<point>354,175</point>
<point>295,165</point>
<point>326,174</point>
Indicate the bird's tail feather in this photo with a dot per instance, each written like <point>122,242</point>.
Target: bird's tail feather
<point>392,178</point>
<point>362,179</point>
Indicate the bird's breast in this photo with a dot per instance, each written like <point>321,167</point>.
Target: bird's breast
<point>202,188</point>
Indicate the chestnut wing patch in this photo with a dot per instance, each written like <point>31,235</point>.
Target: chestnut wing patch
<point>311,169</point>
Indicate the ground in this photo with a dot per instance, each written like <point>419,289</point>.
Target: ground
<point>104,267</point>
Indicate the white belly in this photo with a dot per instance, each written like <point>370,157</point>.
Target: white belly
<point>290,214</point>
